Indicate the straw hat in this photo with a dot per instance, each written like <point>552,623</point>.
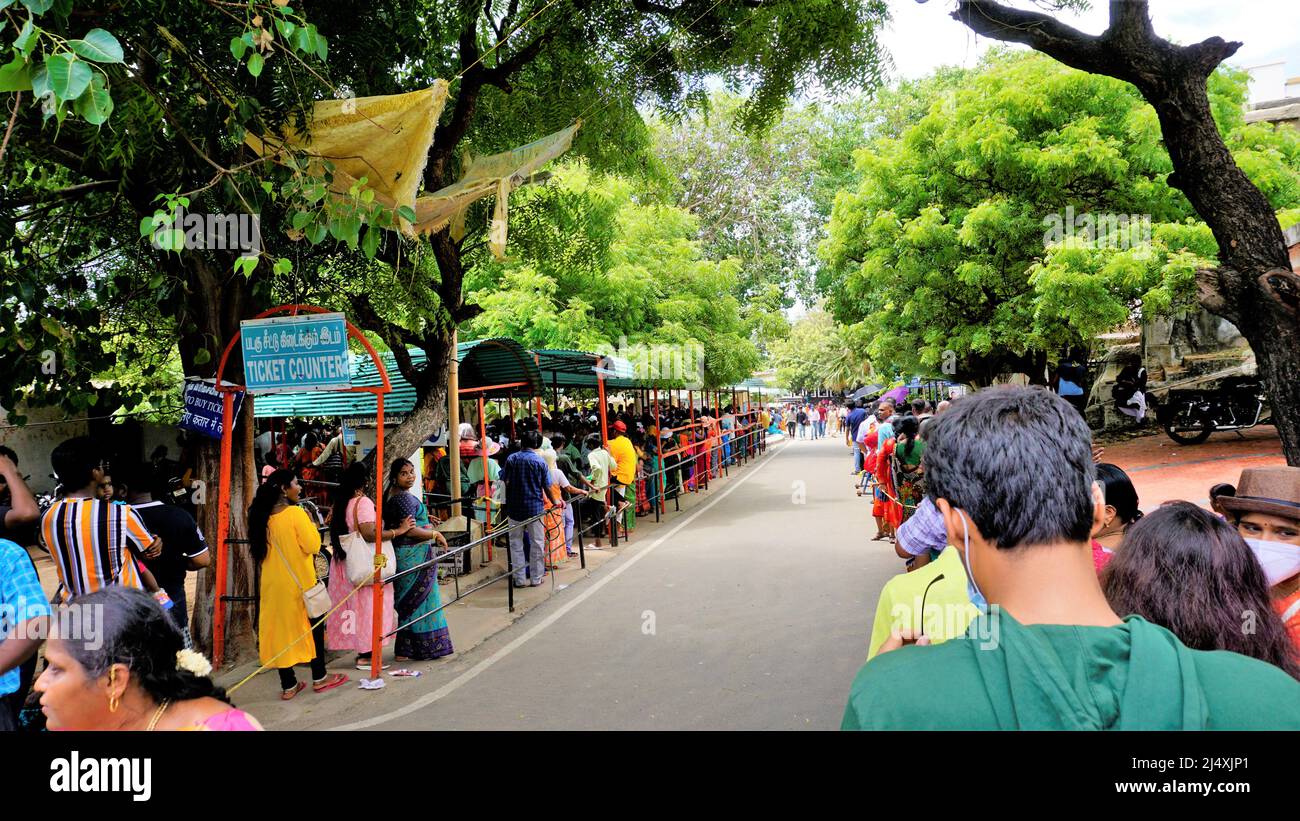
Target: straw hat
<point>1275,491</point>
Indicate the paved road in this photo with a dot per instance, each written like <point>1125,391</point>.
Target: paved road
<point>751,613</point>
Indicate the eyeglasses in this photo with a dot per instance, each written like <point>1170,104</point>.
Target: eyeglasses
<point>938,578</point>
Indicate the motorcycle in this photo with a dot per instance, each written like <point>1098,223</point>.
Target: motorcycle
<point>1189,417</point>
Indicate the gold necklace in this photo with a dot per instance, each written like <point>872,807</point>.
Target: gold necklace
<point>158,714</point>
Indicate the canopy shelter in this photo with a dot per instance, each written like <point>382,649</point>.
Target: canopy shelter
<point>494,367</point>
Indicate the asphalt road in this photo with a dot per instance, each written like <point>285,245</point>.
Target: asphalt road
<point>753,612</point>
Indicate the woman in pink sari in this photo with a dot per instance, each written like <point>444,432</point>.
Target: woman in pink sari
<point>351,626</point>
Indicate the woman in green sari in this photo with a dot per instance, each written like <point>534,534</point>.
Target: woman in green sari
<point>415,594</point>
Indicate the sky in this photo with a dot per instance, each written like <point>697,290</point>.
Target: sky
<point>923,37</point>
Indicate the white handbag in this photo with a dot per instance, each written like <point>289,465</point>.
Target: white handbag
<point>360,563</point>
<point>316,598</point>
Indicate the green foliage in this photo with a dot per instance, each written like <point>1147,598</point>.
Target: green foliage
<point>635,275</point>
<point>961,234</point>
<point>819,355</point>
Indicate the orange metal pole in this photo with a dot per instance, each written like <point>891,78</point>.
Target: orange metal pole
<point>538,401</point>
<point>662,479</point>
<point>511,399</point>
<point>487,485</point>
<point>377,606</point>
<point>223,531</point>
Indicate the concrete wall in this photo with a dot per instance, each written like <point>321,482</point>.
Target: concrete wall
<point>34,441</point>
<point>45,429</point>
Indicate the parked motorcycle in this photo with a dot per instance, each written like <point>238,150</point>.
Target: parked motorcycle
<point>1189,417</point>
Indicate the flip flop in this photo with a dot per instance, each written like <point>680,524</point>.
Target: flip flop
<point>285,695</point>
<point>336,680</point>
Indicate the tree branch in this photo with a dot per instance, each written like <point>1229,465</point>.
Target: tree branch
<point>1039,31</point>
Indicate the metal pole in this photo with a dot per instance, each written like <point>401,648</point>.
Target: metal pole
<point>511,398</point>
<point>659,447</point>
<point>487,502</point>
<point>223,531</point>
<point>453,427</point>
<point>377,603</point>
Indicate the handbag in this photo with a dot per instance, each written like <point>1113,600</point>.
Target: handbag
<point>359,565</point>
<point>316,598</point>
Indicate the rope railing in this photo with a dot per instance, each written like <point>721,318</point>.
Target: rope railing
<point>577,499</point>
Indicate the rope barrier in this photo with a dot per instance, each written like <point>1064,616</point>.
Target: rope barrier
<point>582,495</point>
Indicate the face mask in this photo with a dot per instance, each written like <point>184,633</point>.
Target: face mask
<point>1280,560</point>
<point>972,589</point>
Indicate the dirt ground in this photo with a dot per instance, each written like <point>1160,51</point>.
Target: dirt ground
<point>1163,470</point>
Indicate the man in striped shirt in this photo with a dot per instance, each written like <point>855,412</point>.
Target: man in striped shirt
<point>94,543</point>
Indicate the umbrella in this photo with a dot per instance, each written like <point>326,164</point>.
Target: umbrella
<point>864,392</point>
<point>898,394</point>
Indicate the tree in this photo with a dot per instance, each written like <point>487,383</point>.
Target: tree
<point>820,355</point>
<point>626,270</point>
<point>1253,285</point>
<point>83,181</point>
<point>947,244</point>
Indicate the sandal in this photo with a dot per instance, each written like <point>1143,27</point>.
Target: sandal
<point>285,695</point>
<point>329,683</point>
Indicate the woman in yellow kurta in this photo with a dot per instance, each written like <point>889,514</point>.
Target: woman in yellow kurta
<point>283,538</point>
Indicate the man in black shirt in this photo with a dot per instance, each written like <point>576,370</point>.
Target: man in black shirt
<point>184,547</point>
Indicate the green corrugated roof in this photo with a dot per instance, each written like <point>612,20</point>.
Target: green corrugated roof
<point>576,369</point>
<point>482,363</point>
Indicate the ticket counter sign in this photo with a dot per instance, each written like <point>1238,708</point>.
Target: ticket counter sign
<point>295,354</point>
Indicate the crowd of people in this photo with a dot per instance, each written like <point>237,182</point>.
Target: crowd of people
<point>115,546</point>
<point>1038,596</point>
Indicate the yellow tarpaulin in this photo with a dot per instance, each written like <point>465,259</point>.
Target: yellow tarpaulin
<point>495,174</point>
<point>385,139</point>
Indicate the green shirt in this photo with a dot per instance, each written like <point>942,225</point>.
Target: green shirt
<point>1136,676</point>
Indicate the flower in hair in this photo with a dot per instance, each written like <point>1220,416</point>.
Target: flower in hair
<point>192,662</point>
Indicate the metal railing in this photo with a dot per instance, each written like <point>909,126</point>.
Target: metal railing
<point>754,444</point>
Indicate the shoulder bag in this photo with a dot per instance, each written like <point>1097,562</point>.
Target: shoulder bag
<point>360,562</point>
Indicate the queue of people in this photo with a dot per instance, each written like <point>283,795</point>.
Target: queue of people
<point>1048,601</point>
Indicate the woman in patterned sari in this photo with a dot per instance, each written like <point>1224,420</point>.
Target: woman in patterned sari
<point>553,521</point>
<point>415,594</point>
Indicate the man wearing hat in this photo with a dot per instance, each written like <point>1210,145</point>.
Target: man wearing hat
<point>620,447</point>
<point>1266,511</point>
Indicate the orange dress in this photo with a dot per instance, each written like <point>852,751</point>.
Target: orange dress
<point>1289,610</point>
<point>886,505</point>
<point>553,522</point>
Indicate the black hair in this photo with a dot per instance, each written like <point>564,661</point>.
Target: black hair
<point>259,512</point>
<point>351,480</point>
<point>136,631</point>
<point>1189,571</point>
<point>531,439</point>
<point>395,467</point>
<point>13,457</point>
<point>1119,492</point>
<point>1018,460</point>
<point>74,461</point>
<point>907,430</point>
<point>1222,489</point>
<point>559,438</point>
<point>136,476</point>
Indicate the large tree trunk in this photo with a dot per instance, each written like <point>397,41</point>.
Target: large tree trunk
<point>217,304</point>
<point>430,411</point>
<point>1254,286</point>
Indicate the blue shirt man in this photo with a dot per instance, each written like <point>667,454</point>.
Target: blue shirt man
<point>22,603</point>
<point>527,478</point>
<point>851,434</point>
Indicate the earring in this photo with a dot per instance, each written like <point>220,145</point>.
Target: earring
<point>113,701</point>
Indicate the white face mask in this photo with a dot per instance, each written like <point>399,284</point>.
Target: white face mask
<point>1280,560</point>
